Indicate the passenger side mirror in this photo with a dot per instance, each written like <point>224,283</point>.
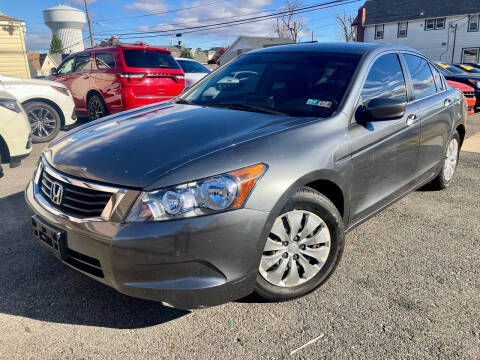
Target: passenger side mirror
<point>381,109</point>
<point>53,71</point>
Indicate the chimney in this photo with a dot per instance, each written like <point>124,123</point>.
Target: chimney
<point>360,22</point>
<point>179,43</point>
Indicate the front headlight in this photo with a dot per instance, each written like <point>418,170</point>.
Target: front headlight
<point>10,104</point>
<point>62,90</point>
<point>215,194</point>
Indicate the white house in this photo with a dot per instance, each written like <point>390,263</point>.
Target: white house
<point>444,30</point>
<point>245,44</point>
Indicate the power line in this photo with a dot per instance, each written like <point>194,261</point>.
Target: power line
<point>164,12</point>
<point>320,6</point>
<point>187,30</point>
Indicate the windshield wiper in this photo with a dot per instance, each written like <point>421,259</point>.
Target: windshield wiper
<point>244,107</point>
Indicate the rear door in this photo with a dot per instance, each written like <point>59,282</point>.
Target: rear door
<point>384,153</point>
<point>106,80</point>
<point>435,111</point>
<point>80,80</point>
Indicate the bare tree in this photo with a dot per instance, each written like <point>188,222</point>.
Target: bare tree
<point>289,24</point>
<point>347,31</point>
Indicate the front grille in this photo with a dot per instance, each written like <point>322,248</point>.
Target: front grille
<point>76,201</point>
<point>469,94</point>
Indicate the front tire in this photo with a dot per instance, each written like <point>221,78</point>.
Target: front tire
<point>449,165</point>
<point>303,248</point>
<point>44,120</point>
<point>96,108</point>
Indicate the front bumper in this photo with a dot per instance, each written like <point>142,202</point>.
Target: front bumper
<point>187,263</point>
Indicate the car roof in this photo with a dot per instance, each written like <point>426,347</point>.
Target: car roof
<point>127,47</point>
<point>358,48</point>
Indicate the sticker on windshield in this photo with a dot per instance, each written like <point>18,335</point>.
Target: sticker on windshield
<point>320,103</point>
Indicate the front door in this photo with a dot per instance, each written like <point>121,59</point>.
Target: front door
<point>80,81</point>
<point>384,153</point>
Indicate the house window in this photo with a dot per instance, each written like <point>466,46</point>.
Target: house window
<point>379,31</point>
<point>473,21</point>
<point>471,55</point>
<point>440,23</point>
<point>402,29</point>
<point>429,24</point>
<point>435,24</point>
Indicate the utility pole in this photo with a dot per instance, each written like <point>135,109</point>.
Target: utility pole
<point>89,24</point>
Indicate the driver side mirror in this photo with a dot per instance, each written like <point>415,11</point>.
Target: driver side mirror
<point>53,71</point>
<point>381,109</point>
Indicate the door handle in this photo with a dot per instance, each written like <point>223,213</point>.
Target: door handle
<point>412,119</point>
<point>447,102</point>
<point>85,77</point>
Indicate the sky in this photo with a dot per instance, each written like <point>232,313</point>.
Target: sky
<point>121,17</point>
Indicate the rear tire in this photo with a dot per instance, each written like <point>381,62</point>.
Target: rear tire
<point>96,108</point>
<point>296,259</point>
<point>449,165</point>
<point>44,120</point>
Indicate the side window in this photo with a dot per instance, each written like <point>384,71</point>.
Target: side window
<point>422,78</point>
<point>105,60</point>
<point>83,62</point>
<point>67,66</point>
<point>438,79</point>
<point>385,80</point>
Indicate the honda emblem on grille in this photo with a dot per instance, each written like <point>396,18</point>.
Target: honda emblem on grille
<point>56,193</point>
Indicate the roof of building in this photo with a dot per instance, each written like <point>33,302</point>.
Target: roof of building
<point>385,11</point>
<point>201,57</point>
<point>261,42</point>
<point>36,59</point>
<point>4,17</point>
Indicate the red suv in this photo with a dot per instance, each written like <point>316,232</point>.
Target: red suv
<point>107,80</point>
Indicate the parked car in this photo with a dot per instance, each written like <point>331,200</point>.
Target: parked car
<point>49,105</point>
<point>468,68</point>
<point>107,80</point>
<point>249,185</point>
<point>468,92</point>
<point>194,71</point>
<point>475,65</point>
<point>459,75</point>
<point>15,132</point>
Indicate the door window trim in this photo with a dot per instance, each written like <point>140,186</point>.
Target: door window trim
<point>410,78</point>
<point>352,120</point>
<point>75,63</point>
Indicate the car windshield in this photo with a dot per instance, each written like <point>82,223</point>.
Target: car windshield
<point>192,66</point>
<point>149,59</point>
<point>295,84</point>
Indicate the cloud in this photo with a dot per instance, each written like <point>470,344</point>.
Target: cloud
<point>150,6</point>
<point>38,40</point>
<point>221,9</point>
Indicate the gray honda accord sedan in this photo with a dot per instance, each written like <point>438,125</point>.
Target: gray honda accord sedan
<point>248,181</point>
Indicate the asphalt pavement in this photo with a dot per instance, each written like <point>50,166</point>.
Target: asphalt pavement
<point>408,286</point>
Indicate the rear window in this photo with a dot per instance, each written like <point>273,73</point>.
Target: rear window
<point>149,59</point>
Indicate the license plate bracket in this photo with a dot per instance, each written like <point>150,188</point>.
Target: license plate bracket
<point>50,236</point>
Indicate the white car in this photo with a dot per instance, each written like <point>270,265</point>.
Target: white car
<point>194,71</point>
<point>15,132</point>
<point>49,105</point>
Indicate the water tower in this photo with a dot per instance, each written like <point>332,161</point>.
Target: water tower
<point>67,23</point>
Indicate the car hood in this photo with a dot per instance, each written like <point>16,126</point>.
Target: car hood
<point>135,149</point>
<point>7,80</point>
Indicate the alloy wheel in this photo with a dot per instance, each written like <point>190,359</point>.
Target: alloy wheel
<point>296,250</point>
<point>42,122</point>
<point>451,158</point>
<point>95,109</point>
